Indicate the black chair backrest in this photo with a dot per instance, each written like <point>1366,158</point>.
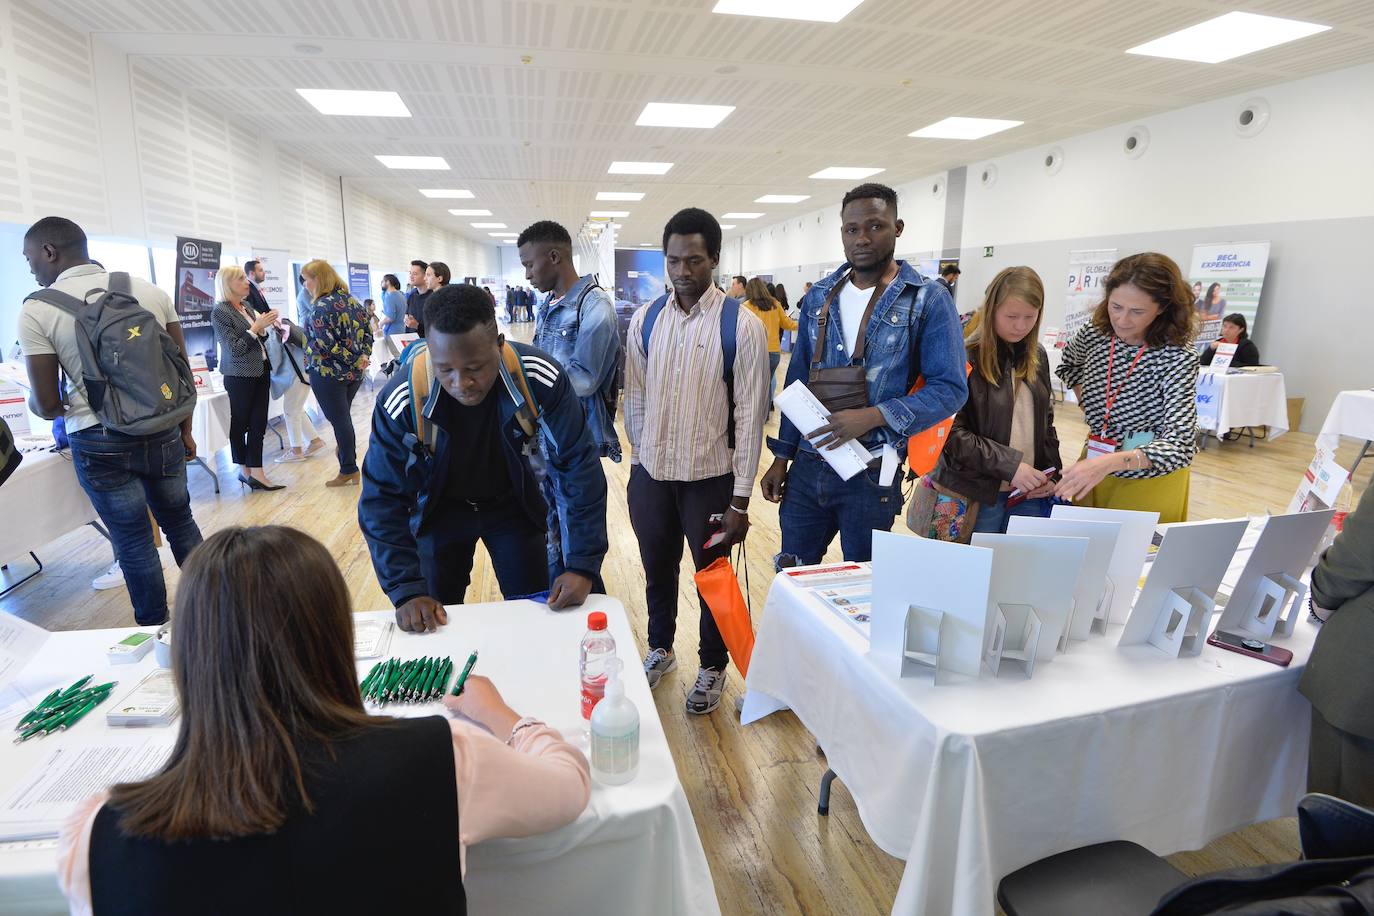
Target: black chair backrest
<point>1332,828</point>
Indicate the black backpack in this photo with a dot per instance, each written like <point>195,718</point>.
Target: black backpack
<point>10,456</point>
<point>137,380</point>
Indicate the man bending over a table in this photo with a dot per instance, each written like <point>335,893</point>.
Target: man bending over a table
<point>461,460</point>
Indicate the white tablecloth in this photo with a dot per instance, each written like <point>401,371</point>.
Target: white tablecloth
<point>1243,399</point>
<point>210,422</point>
<point>634,850</point>
<point>41,502</point>
<point>969,782</point>
<point>1351,414</point>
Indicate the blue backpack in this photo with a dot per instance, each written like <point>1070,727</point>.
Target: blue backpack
<point>729,326</point>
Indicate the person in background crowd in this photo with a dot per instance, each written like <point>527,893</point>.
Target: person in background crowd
<point>393,305</point>
<point>949,275</point>
<point>1338,679</point>
<point>1213,304</point>
<point>302,300</point>
<point>737,288</point>
<point>437,275</point>
<point>511,295</point>
<point>241,335</point>
<point>338,345</point>
<point>775,320</point>
<point>290,767</point>
<point>286,353</point>
<point>430,495</point>
<point>487,290</point>
<point>124,476</point>
<point>415,299</point>
<point>256,275</point>
<point>1003,438</point>
<point>1234,331</point>
<point>1134,371</point>
<point>694,451</point>
<point>780,294</point>
<point>879,313</point>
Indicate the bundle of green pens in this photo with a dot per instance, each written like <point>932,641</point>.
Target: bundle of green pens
<point>62,709</point>
<point>416,681</point>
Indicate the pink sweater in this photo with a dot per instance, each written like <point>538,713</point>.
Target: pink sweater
<point>540,783</point>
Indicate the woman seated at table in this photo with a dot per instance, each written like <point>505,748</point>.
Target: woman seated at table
<point>282,795</point>
<point>1234,331</point>
<point>1134,371</point>
<point>1003,438</point>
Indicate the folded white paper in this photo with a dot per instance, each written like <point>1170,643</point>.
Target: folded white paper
<point>799,405</point>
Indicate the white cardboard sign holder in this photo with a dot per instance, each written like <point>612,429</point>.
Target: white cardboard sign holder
<point>1021,620</point>
<point>1128,557</point>
<point>1093,594</point>
<point>1035,572</point>
<point>1268,596</point>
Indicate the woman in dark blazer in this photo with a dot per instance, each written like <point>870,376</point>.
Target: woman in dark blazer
<point>241,335</point>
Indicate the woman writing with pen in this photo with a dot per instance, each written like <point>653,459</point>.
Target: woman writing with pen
<point>282,795</point>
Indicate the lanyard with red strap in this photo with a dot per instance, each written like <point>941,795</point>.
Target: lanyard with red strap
<point>1111,395</point>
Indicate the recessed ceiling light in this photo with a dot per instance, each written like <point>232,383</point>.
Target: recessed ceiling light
<point>808,10</point>
<point>454,193</point>
<point>615,225</point>
<point>1228,36</point>
<point>673,114</point>
<point>508,241</point>
<point>639,168</point>
<point>489,226</point>
<point>610,214</point>
<point>964,128</point>
<point>647,245</point>
<point>846,172</point>
<point>503,235</point>
<point>727,225</point>
<point>741,215</point>
<point>620,195</point>
<point>471,212</point>
<point>782,198</point>
<point>356,102</point>
<point>434,163</point>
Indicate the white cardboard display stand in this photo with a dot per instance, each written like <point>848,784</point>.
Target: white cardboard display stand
<point>1022,620</point>
<point>1092,597</point>
<point>1132,548</point>
<point>1036,572</point>
<point>1175,607</point>
<point>1268,595</point>
<point>930,606</point>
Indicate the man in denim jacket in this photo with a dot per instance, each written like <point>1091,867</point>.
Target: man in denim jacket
<point>913,330</point>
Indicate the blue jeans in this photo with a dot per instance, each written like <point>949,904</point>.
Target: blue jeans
<point>817,503</point>
<point>449,542</point>
<point>125,477</point>
<point>992,518</point>
<point>773,360</point>
<point>335,397</point>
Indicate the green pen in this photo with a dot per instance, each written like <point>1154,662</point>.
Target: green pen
<point>38,710</point>
<point>75,715</point>
<point>445,673</point>
<point>428,692</point>
<point>421,672</point>
<point>462,678</point>
<point>75,687</point>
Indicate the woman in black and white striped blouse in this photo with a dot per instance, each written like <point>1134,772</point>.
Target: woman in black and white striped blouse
<point>1134,370</point>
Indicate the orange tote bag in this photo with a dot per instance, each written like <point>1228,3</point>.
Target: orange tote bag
<point>720,589</point>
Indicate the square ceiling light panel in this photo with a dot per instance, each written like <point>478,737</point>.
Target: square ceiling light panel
<point>449,193</point>
<point>489,226</point>
<point>964,128</point>
<point>470,212</point>
<point>782,198</point>
<point>432,163</point>
<point>639,168</point>
<point>672,114</point>
<point>741,215</point>
<point>620,195</point>
<point>503,235</point>
<point>1228,36</point>
<point>609,214</point>
<point>356,103</point>
<point>806,10</point>
<point>727,225</point>
<point>846,172</point>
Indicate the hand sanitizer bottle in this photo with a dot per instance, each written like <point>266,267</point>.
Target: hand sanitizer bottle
<point>615,731</point>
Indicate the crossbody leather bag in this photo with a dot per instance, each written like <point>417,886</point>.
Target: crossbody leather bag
<point>842,387</point>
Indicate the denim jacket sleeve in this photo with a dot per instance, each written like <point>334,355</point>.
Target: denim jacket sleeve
<point>594,355</point>
<point>390,487</point>
<point>941,345</point>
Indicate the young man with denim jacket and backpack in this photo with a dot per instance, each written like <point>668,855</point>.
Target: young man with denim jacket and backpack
<point>881,325</point>
<point>461,436</point>
<point>128,400</point>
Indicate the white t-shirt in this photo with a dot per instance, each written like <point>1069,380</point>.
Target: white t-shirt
<point>853,301</point>
<point>45,328</point>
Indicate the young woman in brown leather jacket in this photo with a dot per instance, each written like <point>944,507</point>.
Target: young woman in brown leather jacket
<point>1004,438</point>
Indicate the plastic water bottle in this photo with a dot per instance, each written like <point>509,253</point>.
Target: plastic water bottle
<point>598,647</point>
<point>1345,503</point>
<point>615,731</point>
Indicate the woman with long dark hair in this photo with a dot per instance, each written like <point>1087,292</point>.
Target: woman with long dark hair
<point>282,793</point>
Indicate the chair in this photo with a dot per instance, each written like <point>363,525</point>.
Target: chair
<point>1124,879</point>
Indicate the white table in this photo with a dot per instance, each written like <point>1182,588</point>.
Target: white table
<point>971,781</point>
<point>1351,414</point>
<point>1242,399</point>
<point>45,496</point>
<point>210,425</point>
<point>634,850</point>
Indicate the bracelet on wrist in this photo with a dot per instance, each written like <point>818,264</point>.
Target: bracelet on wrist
<point>521,725</point>
<point>735,508</point>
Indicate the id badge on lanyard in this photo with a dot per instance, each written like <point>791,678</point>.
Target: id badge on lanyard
<point>1101,443</point>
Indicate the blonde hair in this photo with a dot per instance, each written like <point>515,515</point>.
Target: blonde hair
<point>224,276</point>
<point>327,279</point>
<point>1012,283</point>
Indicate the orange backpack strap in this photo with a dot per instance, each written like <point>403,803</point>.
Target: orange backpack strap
<point>421,384</point>
<point>527,414</point>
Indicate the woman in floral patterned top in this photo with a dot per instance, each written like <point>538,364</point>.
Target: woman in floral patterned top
<point>338,343</point>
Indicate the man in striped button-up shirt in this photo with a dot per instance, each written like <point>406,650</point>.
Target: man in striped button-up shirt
<point>686,481</point>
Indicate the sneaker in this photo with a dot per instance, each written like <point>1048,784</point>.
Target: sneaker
<point>110,578</point>
<point>290,455</point>
<point>705,695</point>
<point>658,663</point>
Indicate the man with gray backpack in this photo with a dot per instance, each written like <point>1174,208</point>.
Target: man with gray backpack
<point>127,404</point>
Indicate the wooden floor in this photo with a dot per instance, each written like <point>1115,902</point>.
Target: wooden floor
<point>753,791</point>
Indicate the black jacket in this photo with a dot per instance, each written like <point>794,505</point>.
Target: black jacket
<point>977,459</point>
<point>1247,354</point>
<point>256,300</point>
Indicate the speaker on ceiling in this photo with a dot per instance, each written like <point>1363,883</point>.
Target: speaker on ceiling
<point>937,189</point>
<point>1136,142</point>
<point>987,175</point>
<point>1054,160</point>
<point>1251,117</point>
